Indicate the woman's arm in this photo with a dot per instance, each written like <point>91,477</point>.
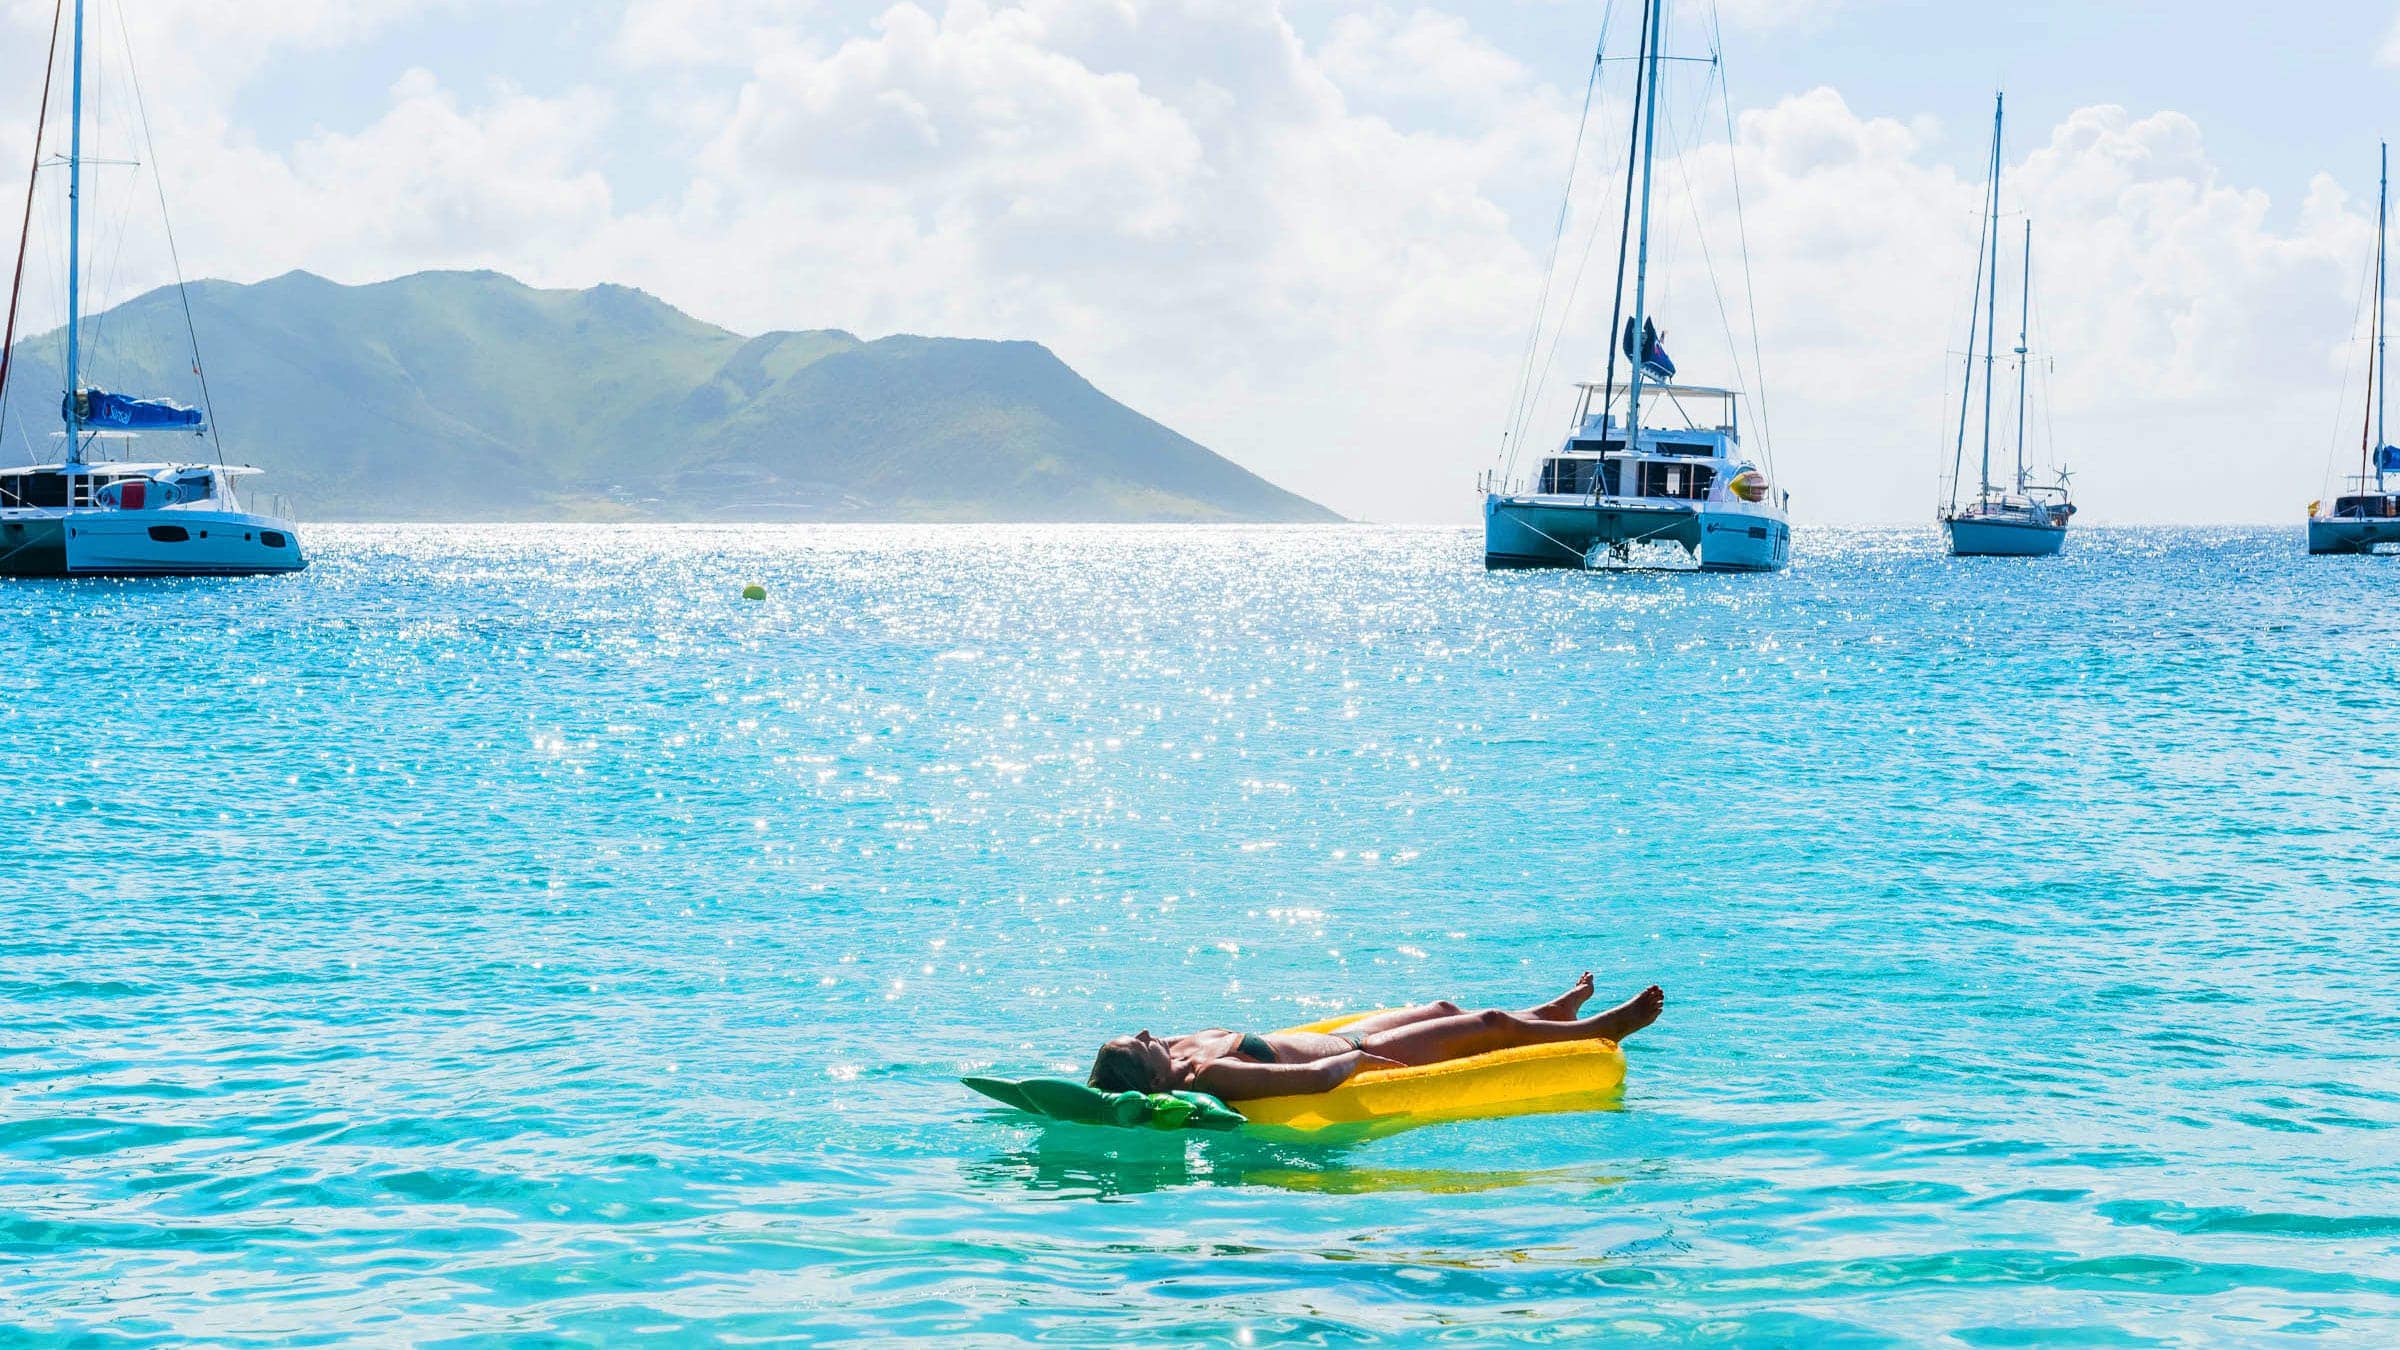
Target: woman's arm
<point>1240,1080</point>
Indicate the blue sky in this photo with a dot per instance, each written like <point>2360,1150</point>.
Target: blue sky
<point>1309,232</point>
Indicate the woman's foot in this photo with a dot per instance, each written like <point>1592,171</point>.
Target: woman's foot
<point>1569,1005</point>
<point>1633,1014</point>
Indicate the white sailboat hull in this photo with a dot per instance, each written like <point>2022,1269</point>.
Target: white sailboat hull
<point>1574,531</point>
<point>2002,537</point>
<point>38,543</point>
<point>2350,534</point>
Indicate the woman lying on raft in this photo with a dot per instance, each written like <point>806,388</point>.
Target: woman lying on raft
<point>1241,1065</point>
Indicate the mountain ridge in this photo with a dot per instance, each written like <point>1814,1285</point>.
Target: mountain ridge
<point>469,395</point>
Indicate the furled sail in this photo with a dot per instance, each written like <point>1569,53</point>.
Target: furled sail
<point>2387,459</point>
<point>1653,355</point>
<point>123,412</point>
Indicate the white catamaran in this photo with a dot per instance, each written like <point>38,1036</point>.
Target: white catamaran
<point>2012,518</point>
<point>2363,520</point>
<point>92,512</point>
<point>1646,461</point>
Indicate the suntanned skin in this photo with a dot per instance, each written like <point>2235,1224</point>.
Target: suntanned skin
<point>1429,1034</point>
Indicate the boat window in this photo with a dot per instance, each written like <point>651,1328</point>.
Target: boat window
<point>1683,481</point>
<point>1567,475</point>
<point>273,538</point>
<point>170,534</point>
<point>34,489</point>
<point>196,487</point>
<point>1699,449</point>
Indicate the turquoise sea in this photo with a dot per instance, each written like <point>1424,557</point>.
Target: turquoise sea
<point>507,935</point>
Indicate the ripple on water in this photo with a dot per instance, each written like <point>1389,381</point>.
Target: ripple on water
<point>503,933</point>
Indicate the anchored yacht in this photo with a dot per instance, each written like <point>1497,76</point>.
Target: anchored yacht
<point>1648,464</point>
<point>1680,481</point>
<point>2368,517</point>
<point>2005,518</point>
<point>116,518</point>
<point>97,512</point>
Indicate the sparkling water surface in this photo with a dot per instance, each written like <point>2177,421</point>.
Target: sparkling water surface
<point>498,934</point>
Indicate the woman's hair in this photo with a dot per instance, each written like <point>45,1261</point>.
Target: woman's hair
<point>1120,1068</point>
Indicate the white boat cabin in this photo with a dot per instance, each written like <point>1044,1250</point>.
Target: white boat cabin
<point>1679,455</point>
<point>123,487</point>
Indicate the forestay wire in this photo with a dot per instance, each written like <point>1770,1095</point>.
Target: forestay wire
<point>1519,410</point>
<point>1741,224</point>
<point>174,256</point>
<point>33,177</point>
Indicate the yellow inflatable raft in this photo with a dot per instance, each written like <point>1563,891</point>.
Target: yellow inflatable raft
<point>1529,1080</point>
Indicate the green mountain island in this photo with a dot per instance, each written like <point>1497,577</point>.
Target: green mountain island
<point>469,396</point>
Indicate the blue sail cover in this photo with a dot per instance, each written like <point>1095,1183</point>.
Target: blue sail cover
<point>2387,459</point>
<point>1655,362</point>
<point>122,412</point>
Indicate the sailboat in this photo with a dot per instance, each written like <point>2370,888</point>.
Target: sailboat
<point>96,510</point>
<point>2365,519</point>
<point>2011,518</point>
<point>1647,461</point>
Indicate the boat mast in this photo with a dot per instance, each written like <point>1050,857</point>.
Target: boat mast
<point>1616,309</point>
<point>1641,271</point>
<point>1991,309</point>
<point>2383,286</point>
<point>1984,242</point>
<point>75,247</point>
<point>2024,322</point>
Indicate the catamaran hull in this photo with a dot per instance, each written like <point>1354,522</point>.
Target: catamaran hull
<point>33,548</point>
<point>146,543</point>
<point>2005,539</point>
<point>2351,535</point>
<point>1574,531</point>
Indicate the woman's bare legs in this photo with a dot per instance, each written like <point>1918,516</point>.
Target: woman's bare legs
<point>1560,1009</point>
<point>1439,1039</point>
<point>1567,1006</point>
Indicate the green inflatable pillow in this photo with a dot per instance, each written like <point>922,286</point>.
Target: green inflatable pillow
<point>1064,1099</point>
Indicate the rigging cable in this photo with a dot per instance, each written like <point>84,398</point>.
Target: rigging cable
<point>182,291</point>
<point>8,337</point>
<point>2045,396</point>
<point>2366,428</point>
<point>1708,261</point>
<point>1549,360</point>
<point>1566,201</point>
<point>1983,241</point>
<point>1633,154</point>
<point>1741,225</point>
<point>2366,286</point>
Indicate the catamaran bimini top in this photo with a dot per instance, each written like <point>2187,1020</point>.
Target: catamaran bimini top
<point>1596,405</point>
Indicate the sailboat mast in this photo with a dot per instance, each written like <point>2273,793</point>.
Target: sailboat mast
<point>1984,242</point>
<point>2383,286</point>
<point>1991,309</point>
<point>75,248</point>
<point>1633,153</point>
<point>2024,323</point>
<point>1641,271</point>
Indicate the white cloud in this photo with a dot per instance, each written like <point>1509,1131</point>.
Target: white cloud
<point>709,33</point>
<point>433,180</point>
<point>1179,196</point>
<point>1760,15</point>
<point>1318,258</point>
<point>1429,59</point>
